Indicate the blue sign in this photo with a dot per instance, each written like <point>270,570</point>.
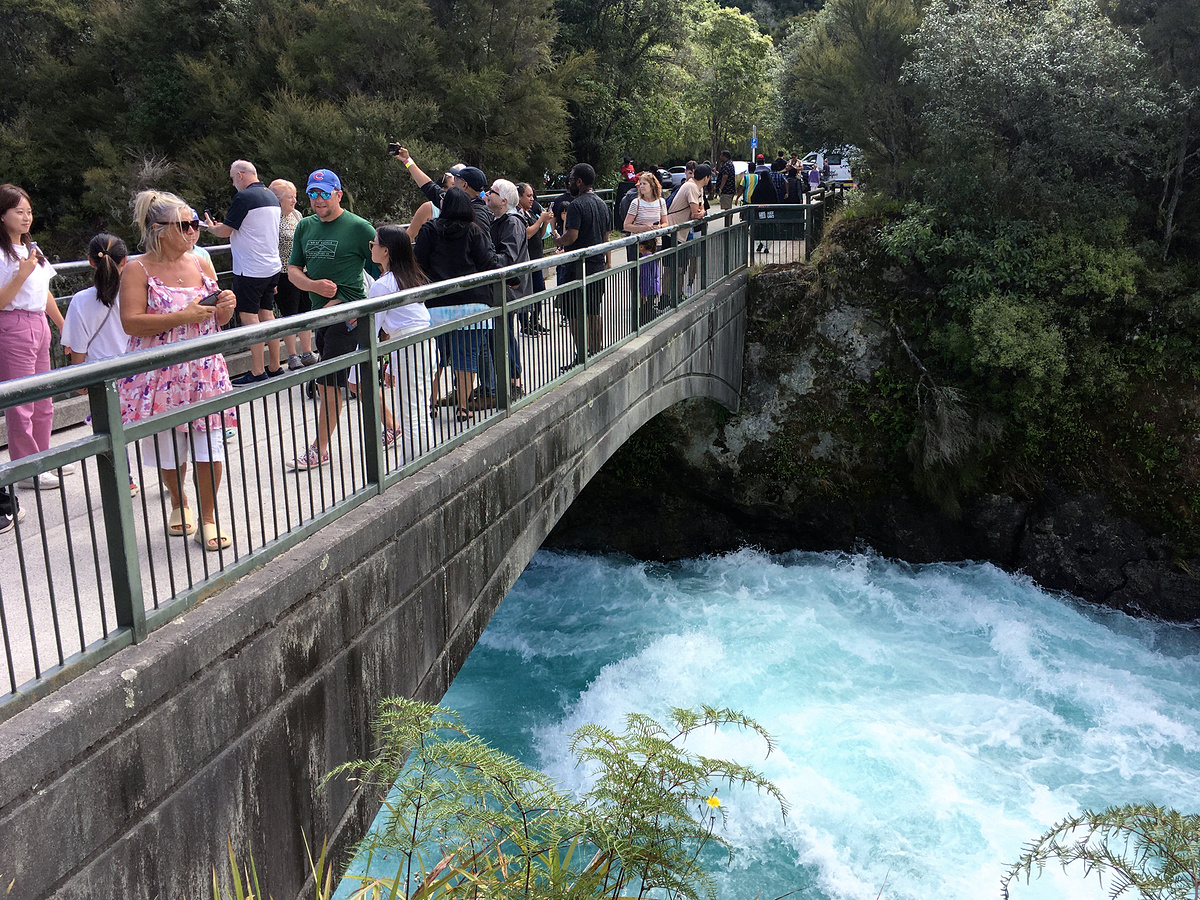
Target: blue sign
<point>754,143</point>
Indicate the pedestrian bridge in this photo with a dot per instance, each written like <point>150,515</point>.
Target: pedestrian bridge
<point>143,727</point>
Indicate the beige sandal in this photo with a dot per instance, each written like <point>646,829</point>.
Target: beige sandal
<point>212,538</point>
<point>182,522</point>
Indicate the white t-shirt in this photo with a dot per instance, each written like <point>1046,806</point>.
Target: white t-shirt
<point>93,328</point>
<point>411,315</point>
<point>648,212</point>
<point>32,295</point>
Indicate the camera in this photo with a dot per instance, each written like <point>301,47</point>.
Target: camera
<point>394,148</point>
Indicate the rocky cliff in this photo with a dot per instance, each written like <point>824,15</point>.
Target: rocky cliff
<point>845,441</point>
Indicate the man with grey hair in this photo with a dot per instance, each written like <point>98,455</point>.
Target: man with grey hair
<point>252,226</point>
<point>512,247</point>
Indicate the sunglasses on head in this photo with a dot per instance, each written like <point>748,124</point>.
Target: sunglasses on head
<point>317,194</point>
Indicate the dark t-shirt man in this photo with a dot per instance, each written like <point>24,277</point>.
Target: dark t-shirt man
<point>590,216</point>
<point>729,185</point>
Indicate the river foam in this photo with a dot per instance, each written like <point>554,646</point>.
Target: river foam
<point>929,720</point>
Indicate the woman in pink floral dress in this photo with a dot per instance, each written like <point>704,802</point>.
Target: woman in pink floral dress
<point>160,304</point>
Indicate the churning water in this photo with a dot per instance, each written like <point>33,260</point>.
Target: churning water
<point>930,720</point>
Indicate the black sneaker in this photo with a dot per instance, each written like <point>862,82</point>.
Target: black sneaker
<point>250,378</point>
<point>7,522</point>
<point>274,374</point>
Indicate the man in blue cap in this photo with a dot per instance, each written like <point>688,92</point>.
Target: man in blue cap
<point>329,252</point>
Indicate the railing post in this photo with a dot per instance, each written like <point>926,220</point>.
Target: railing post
<point>580,323</point>
<point>368,404</point>
<point>116,505</point>
<point>500,361</point>
<point>808,230</point>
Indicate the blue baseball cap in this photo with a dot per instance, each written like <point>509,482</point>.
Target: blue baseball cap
<point>323,180</point>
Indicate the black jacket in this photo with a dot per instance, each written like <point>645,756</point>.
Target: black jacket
<point>512,247</point>
<point>446,250</point>
<point>434,192</point>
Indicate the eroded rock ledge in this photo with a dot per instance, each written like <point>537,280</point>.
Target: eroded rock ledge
<point>810,463</point>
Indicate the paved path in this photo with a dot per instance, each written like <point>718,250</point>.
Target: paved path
<point>56,595</point>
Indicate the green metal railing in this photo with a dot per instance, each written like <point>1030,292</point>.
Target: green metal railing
<point>97,569</point>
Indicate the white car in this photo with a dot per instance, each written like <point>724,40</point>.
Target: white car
<point>678,175</point>
<point>839,164</point>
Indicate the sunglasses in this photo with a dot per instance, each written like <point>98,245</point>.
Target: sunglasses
<point>193,225</point>
<point>323,195</point>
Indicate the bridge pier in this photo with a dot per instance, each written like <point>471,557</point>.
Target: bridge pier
<point>127,781</point>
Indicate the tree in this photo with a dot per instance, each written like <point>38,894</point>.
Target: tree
<point>732,87</point>
<point>1140,847</point>
<point>1169,33</point>
<point>1032,107</point>
<point>462,819</point>
<point>628,44</point>
<point>841,83</point>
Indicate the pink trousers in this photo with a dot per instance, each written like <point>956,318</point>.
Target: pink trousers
<point>25,350</point>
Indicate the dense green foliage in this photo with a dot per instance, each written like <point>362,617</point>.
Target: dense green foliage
<point>1142,848</point>
<point>464,820</point>
<point>111,96</point>
<point>1035,206</point>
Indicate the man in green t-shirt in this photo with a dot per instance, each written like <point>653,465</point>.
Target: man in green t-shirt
<point>329,252</point>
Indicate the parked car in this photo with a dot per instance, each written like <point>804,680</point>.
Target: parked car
<point>839,164</point>
<point>664,177</point>
<point>677,175</point>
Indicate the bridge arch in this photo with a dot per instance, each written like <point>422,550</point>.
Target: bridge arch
<point>128,781</point>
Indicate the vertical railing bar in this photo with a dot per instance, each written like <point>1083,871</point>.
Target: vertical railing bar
<point>71,559</point>
<point>8,652</point>
<point>283,479</point>
<point>370,414</point>
<point>270,467</point>
<point>45,542</point>
<point>216,493</point>
<point>87,497</point>
<point>117,506</point>
<point>137,451</point>
<point>241,448</point>
<point>33,643</point>
<point>195,480</point>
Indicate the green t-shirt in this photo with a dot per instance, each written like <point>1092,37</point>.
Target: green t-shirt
<point>337,250</point>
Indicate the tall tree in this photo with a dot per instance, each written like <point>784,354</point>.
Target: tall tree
<point>732,87</point>
<point>841,84</point>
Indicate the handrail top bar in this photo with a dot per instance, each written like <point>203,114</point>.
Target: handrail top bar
<point>76,377</point>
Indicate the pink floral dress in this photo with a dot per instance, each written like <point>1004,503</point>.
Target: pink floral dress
<point>150,393</point>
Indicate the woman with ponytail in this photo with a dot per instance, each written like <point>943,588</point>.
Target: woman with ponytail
<point>25,303</point>
<point>92,329</point>
<point>160,300</point>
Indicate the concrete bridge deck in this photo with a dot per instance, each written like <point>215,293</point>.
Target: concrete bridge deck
<point>221,724</point>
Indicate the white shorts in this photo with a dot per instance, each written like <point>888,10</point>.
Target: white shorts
<point>170,449</point>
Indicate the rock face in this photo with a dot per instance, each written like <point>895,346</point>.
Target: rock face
<point>842,444</point>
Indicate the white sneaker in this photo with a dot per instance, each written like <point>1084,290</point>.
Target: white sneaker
<point>68,469</point>
<point>41,482</point>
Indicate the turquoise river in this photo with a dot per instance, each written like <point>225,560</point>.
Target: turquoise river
<point>930,720</point>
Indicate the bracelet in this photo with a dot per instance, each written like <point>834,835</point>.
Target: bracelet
<point>409,163</point>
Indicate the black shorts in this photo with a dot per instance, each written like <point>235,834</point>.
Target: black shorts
<point>595,295</point>
<point>289,299</point>
<point>336,340</point>
<point>255,294</point>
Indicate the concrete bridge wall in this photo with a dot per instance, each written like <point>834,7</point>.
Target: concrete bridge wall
<point>127,782</point>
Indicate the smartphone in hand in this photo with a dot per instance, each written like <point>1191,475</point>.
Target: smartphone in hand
<point>210,299</point>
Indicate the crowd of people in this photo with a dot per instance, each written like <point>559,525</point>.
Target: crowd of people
<point>285,264</point>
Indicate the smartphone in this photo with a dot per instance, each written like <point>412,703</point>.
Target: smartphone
<point>210,299</point>
<point>35,250</point>
<point>394,148</point>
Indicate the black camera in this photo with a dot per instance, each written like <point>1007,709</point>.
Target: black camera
<point>394,148</point>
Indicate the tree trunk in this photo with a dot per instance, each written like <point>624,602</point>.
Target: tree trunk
<point>1169,225</point>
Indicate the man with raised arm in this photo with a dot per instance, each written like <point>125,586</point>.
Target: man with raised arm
<point>468,178</point>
